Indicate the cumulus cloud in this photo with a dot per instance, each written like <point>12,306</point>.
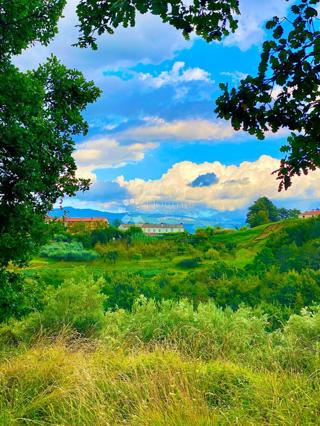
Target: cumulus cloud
<point>103,153</point>
<point>236,188</point>
<point>179,83</point>
<point>177,75</point>
<point>157,129</point>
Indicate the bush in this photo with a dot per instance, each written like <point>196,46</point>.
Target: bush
<point>212,254</point>
<point>72,251</point>
<point>75,305</point>
<point>224,270</point>
<point>122,289</point>
<point>190,263</point>
<point>111,255</point>
<point>207,332</point>
<point>19,295</point>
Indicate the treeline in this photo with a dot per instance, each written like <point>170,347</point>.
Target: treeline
<point>264,211</point>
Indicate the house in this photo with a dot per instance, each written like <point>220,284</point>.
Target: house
<point>80,224</point>
<point>312,213</point>
<point>155,229</point>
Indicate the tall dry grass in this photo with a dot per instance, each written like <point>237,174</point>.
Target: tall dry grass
<point>75,383</point>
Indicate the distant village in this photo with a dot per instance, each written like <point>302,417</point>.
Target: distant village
<point>91,223</point>
<point>151,229</point>
<point>311,213</point>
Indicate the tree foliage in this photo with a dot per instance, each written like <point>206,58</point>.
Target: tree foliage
<point>24,22</point>
<point>264,211</point>
<point>285,93</point>
<point>40,113</point>
<point>211,19</point>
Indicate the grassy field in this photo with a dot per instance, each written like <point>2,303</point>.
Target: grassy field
<point>166,366</point>
<point>58,384</point>
<point>248,241</point>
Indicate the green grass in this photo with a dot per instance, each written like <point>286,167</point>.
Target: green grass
<point>59,384</point>
<point>248,242</point>
<point>250,237</point>
<point>168,365</point>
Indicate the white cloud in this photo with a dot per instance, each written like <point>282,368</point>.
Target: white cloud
<point>106,153</point>
<point>235,76</point>
<point>150,41</point>
<point>184,130</point>
<point>254,13</point>
<point>237,186</point>
<point>190,130</point>
<point>177,75</point>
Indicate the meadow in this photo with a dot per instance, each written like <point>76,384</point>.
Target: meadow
<point>217,328</point>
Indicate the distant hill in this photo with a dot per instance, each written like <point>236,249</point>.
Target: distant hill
<point>225,219</point>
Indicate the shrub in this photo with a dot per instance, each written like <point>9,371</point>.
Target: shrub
<point>76,305</point>
<point>224,270</point>
<point>19,295</point>
<point>122,289</point>
<point>190,263</point>
<point>207,332</point>
<point>111,255</point>
<point>73,251</point>
<point>212,254</point>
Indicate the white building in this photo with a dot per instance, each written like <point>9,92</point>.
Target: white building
<point>155,229</point>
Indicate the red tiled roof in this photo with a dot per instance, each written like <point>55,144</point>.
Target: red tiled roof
<point>311,213</point>
<point>82,219</point>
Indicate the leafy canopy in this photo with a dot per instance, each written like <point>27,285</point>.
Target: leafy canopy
<point>24,22</point>
<point>211,19</point>
<point>264,211</point>
<point>285,93</point>
<point>40,113</point>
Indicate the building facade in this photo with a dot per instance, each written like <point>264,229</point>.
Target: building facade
<point>81,224</point>
<point>307,215</point>
<point>155,229</point>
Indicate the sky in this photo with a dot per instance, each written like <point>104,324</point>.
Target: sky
<point>155,143</point>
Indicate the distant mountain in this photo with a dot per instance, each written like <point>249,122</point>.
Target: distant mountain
<point>224,219</point>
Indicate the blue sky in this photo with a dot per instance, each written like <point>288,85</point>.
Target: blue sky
<point>154,131</point>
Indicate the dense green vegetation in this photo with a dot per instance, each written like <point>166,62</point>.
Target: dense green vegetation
<point>160,364</point>
<point>217,327</point>
<point>264,211</point>
<point>274,265</point>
